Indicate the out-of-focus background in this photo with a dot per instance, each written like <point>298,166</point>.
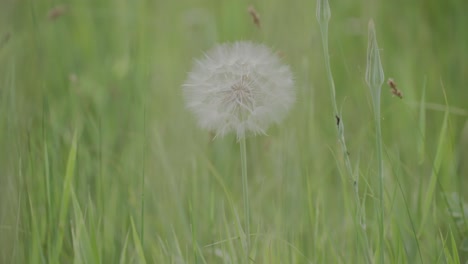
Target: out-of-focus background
<point>102,163</point>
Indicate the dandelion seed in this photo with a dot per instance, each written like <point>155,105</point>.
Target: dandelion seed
<point>394,88</point>
<point>255,16</point>
<point>57,12</point>
<point>240,87</point>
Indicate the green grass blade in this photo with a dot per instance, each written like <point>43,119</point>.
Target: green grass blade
<point>65,198</point>
<point>123,254</point>
<point>422,125</point>
<point>429,198</point>
<point>137,244</point>
<point>455,255</point>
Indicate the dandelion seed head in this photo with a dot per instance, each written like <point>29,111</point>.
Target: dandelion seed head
<point>240,87</point>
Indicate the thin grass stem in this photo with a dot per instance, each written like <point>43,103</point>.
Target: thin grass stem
<point>142,213</point>
<point>323,17</point>
<point>375,79</point>
<point>378,131</point>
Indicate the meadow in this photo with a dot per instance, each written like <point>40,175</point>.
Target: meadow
<point>102,162</point>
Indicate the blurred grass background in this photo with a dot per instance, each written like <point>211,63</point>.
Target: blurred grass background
<point>102,163</point>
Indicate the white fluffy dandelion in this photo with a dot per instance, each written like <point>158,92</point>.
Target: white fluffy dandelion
<point>240,87</point>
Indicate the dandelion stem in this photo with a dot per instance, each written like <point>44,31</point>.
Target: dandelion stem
<point>245,190</point>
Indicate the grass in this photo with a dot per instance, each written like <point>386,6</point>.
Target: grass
<point>102,163</point>
<point>375,79</point>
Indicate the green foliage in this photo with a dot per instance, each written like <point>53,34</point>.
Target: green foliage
<point>102,163</point>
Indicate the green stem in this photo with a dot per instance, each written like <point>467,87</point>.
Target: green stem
<point>359,217</point>
<point>142,213</point>
<point>378,131</point>
<point>324,32</point>
<point>375,79</point>
<point>245,190</point>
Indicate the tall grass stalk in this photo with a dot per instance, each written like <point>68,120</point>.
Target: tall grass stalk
<point>142,212</point>
<point>375,79</point>
<point>245,191</point>
<point>323,17</point>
